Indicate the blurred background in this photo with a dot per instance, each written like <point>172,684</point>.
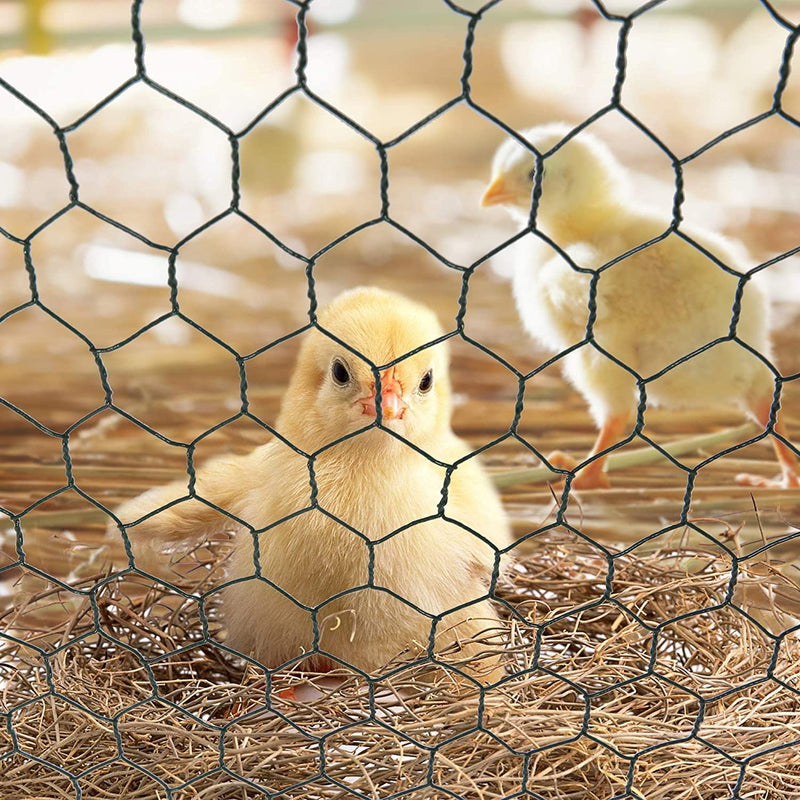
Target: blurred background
<point>163,171</point>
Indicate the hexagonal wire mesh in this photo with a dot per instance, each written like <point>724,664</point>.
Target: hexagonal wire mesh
<point>319,755</point>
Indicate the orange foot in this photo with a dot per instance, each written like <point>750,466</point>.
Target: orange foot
<point>287,694</point>
<point>789,480</point>
<point>591,477</point>
<point>559,459</point>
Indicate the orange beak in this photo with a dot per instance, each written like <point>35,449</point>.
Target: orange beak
<point>496,194</point>
<point>392,404</point>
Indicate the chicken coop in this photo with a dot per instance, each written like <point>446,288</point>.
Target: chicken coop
<point>187,187</point>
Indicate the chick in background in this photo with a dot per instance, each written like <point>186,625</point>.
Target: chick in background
<point>653,307</point>
<point>373,482</point>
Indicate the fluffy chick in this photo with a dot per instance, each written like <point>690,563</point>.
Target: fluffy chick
<point>653,307</point>
<point>374,483</point>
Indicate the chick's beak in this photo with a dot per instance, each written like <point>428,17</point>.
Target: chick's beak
<point>496,193</point>
<point>392,404</point>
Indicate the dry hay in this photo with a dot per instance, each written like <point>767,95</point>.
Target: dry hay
<point>599,710</point>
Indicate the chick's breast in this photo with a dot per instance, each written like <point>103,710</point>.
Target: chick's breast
<point>653,308</point>
<point>315,560</point>
<point>552,297</point>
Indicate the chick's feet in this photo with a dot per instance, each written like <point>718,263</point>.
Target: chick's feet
<point>789,480</point>
<point>592,476</point>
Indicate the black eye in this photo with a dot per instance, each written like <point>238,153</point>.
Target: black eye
<point>427,382</point>
<point>340,373</point>
<point>532,173</point>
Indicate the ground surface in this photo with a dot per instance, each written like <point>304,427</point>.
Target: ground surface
<point>163,171</point>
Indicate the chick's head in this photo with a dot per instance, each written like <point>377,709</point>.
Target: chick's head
<point>578,177</point>
<point>333,389</point>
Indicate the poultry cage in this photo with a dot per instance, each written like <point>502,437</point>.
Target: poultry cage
<point>184,183</point>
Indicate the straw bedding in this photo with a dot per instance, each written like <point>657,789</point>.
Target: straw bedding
<point>645,685</point>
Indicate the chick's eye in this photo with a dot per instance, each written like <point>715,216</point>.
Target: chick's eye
<point>340,373</point>
<point>532,174</point>
<point>426,383</point>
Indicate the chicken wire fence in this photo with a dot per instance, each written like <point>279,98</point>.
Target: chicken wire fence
<point>531,761</point>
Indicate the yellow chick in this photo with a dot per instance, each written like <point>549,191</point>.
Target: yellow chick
<point>653,307</point>
<point>373,490</point>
